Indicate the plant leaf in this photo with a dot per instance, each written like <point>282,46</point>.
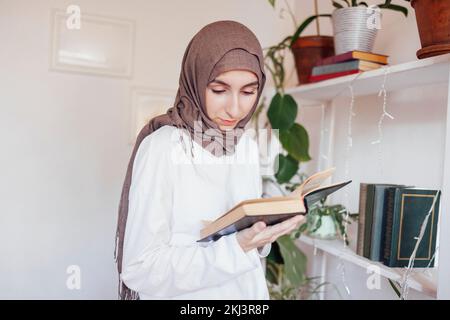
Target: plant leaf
<point>272,3</point>
<point>394,286</point>
<point>282,111</point>
<point>303,227</point>
<point>294,261</point>
<point>296,142</point>
<point>275,254</point>
<point>395,8</point>
<point>287,168</point>
<point>345,1</point>
<point>337,5</point>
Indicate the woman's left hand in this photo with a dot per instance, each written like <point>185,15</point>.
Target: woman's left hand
<point>259,234</point>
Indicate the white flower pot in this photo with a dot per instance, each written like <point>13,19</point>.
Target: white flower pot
<point>353,29</point>
<point>327,229</point>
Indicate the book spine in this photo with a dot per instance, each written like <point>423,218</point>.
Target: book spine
<point>331,75</point>
<point>387,242</point>
<point>335,59</point>
<point>368,220</point>
<point>361,218</point>
<point>336,67</point>
<point>377,220</point>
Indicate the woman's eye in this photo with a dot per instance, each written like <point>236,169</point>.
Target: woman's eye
<point>249,93</point>
<point>218,91</point>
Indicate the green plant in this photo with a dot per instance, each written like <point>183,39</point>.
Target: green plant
<point>338,4</point>
<point>275,54</point>
<point>311,289</point>
<point>286,263</point>
<point>338,214</point>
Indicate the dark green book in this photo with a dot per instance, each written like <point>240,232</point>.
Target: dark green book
<point>368,220</point>
<point>378,216</point>
<point>406,209</point>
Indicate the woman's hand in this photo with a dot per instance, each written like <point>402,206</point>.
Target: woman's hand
<point>259,234</point>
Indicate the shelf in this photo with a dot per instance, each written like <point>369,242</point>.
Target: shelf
<point>417,281</point>
<point>428,71</point>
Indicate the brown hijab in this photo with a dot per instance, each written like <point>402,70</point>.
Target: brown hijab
<point>218,47</point>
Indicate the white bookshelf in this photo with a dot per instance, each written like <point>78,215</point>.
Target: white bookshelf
<point>406,75</point>
<point>419,279</point>
<point>431,71</point>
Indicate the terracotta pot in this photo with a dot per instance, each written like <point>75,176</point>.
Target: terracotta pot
<point>307,51</point>
<point>433,22</point>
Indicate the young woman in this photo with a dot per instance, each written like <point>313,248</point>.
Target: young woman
<point>170,190</point>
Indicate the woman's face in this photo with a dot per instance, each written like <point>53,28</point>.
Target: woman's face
<point>230,97</point>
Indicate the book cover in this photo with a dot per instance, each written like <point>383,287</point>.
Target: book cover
<point>406,211</point>
<point>345,66</point>
<point>368,220</point>
<point>272,210</point>
<point>378,216</point>
<point>361,217</point>
<point>332,75</point>
<point>351,55</point>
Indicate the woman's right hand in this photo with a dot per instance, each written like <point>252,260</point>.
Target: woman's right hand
<point>259,234</point>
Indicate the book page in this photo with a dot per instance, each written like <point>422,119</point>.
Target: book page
<point>313,182</point>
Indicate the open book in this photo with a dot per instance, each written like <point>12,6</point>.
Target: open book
<point>272,210</point>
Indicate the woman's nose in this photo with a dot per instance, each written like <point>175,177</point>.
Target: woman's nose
<point>233,107</point>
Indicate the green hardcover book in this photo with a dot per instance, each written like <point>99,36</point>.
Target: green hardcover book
<point>406,209</point>
<point>378,216</point>
<point>361,217</point>
<point>368,220</point>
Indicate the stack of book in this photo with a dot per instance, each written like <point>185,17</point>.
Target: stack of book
<point>390,219</point>
<point>346,63</point>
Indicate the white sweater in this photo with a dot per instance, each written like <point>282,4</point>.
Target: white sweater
<point>170,195</point>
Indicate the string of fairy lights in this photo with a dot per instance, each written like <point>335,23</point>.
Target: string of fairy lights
<point>405,280</point>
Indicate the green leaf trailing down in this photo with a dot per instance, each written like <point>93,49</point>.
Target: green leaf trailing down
<point>282,111</point>
<point>272,3</point>
<point>272,272</point>
<point>303,26</point>
<point>275,254</point>
<point>296,142</point>
<point>294,261</point>
<point>287,168</point>
<point>395,287</point>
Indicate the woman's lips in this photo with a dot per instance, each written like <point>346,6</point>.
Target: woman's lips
<point>227,122</point>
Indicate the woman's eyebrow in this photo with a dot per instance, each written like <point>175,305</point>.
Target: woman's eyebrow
<point>226,84</point>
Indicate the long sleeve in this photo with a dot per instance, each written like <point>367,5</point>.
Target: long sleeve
<point>265,250</point>
<point>151,265</point>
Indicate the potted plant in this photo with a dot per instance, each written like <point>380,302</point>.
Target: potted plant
<point>327,222</point>
<point>354,24</point>
<point>433,23</point>
<point>306,50</point>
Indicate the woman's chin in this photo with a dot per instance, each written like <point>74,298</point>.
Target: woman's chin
<point>226,128</point>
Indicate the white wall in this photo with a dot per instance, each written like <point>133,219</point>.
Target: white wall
<point>412,148</point>
<point>65,148</point>
<point>65,137</point>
